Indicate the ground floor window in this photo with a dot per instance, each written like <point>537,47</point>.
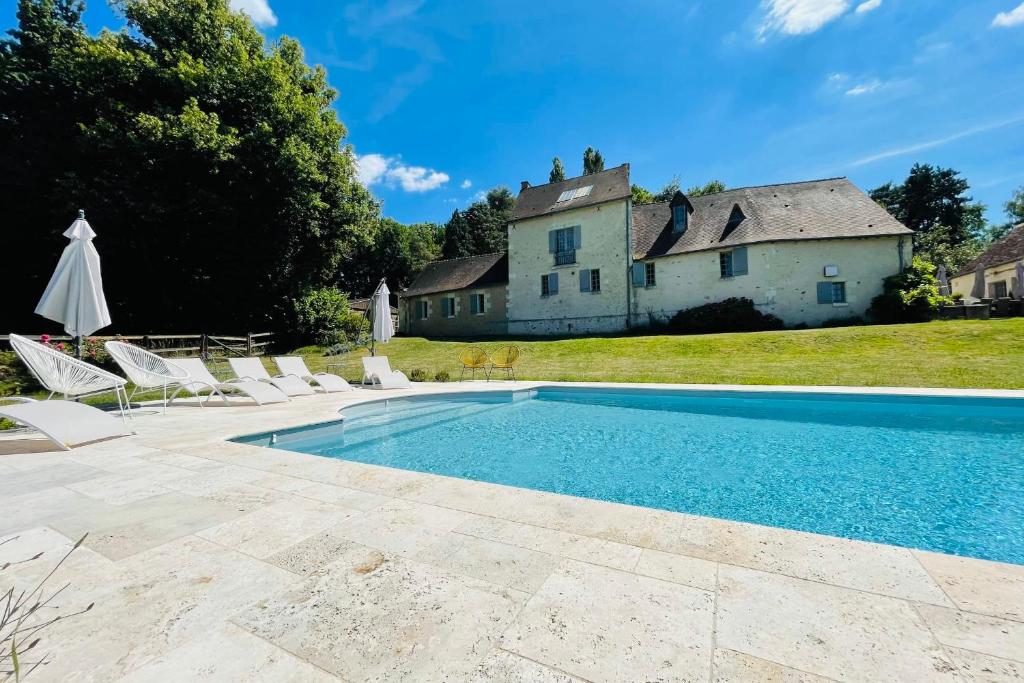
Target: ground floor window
<point>999,289</point>
<point>649,279</point>
<point>725,263</point>
<point>421,310</point>
<point>448,307</point>
<point>831,292</point>
<point>549,284</point>
<point>595,280</point>
<point>476,304</point>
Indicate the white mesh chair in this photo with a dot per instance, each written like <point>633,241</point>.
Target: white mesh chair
<point>200,379</point>
<point>296,365</point>
<point>145,369</point>
<point>61,374</point>
<point>252,368</point>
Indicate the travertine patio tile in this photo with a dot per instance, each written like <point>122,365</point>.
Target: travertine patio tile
<point>977,585</point>
<point>327,493</point>
<point>979,632</point>
<point>176,593</point>
<point>826,630</point>
<point>316,553</point>
<point>123,530</point>
<point>44,507</point>
<point>243,497</point>
<point>563,544</point>
<point>39,478</point>
<point>736,667</point>
<point>606,625</point>
<point>273,528</point>
<point>499,563</point>
<point>401,527</point>
<point>689,571</point>
<point>119,489</point>
<point>505,667</point>
<point>88,575</point>
<point>980,668</point>
<point>393,620</point>
<point>228,653</point>
<point>381,480</point>
<point>188,462</point>
<point>198,483</point>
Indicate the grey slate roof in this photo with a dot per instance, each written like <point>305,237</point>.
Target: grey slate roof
<point>1008,248</point>
<point>815,209</point>
<point>540,200</point>
<point>459,273</point>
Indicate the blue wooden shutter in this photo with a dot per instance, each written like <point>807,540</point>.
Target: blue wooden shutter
<point>553,283</point>
<point>577,237</point>
<point>552,241</point>
<point>739,261</point>
<point>638,274</point>
<point>584,280</point>
<point>824,292</point>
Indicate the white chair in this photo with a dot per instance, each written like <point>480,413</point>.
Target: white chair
<point>145,369</point>
<point>296,365</point>
<point>252,368</point>
<point>200,379</point>
<point>377,371</point>
<point>59,373</point>
<point>65,423</point>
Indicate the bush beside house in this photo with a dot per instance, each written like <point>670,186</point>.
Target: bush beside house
<point>912,296</point>
<point>730,315</point>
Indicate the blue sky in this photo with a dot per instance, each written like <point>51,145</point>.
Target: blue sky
<point>445,100</point>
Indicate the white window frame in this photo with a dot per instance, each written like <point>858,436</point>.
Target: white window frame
<point>650,275</point>
<point>595,279</point>
<point>482,308</point>
<point>452,306</point>
<point>424,312</point>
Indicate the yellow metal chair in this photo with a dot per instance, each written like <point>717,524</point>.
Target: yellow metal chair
<point>506,358</point>
<point>473,358</point>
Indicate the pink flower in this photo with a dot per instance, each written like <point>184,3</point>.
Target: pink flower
<point>45,339</point>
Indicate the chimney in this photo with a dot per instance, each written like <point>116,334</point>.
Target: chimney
<point>523,185</point>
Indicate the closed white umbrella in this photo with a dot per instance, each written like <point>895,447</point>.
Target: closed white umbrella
<point>74,296</point>
<point>1018,289</point>
<point>383,329</point>
<point>943,281</point>
<point>978,291</point>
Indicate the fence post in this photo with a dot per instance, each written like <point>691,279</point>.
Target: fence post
<point>248,343</point>
<point>204,347</point>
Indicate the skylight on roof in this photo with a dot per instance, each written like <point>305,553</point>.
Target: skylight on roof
<point>569,195</point>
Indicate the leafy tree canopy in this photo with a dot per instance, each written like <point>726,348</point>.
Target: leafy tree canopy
<point>209,162</point>
<point>1015,206</point>
<point>593,162</point>
<point>641,195</point>
<point>710,187</point>
<point>668,190</point>
<point>557,174</point>
<point>480,228</point>
<point>932,196</point>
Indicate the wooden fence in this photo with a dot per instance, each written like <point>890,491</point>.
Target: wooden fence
<point>206,346</point>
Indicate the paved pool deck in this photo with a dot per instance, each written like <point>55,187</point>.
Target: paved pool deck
<point>214,561</point>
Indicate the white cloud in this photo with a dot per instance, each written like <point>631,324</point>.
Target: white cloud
<point>796,17</point>
<point>374,169</point>
<point>466,184</point>
<point>867,6</point>
<point>1014,17</point>
<point>864,88</point>
<point>938,142</point>
<point>258,10</point>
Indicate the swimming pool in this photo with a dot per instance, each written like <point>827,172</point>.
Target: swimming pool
<point>943,474</point>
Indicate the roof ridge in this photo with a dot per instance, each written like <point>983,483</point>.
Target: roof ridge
<point>463,258</point>
<point>576,177</point>
<point>751,187</point>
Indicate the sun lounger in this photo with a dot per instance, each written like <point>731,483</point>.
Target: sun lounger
<point>66,423</point>
<point>377,371</point>
<point>145,369</point>
<point>200,379</point>
<point>296,365</point>
<point>252,369</point>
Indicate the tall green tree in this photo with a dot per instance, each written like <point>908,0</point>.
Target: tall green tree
<point>932,196</point>
<point>481,227</point>
<point>668,190</point>
<point>1015,206</point>
<point>593,162</point>
<point>557,174</point>
<point>641,195</point>
<point>209,162</point>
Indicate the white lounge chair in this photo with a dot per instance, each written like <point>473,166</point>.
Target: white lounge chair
<point>377,371</point>
<point>200,379</point>
<point>252,369</point>
<point>296,365</point>
<point>61,374</point>
<point>65,423</point>
<point>145,369</point>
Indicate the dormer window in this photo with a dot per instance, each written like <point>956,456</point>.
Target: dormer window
<point>679,218</point>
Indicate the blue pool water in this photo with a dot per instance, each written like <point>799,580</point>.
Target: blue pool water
<point>944,474</point>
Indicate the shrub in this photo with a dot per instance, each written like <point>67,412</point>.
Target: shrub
<point>442,376</point>
<point>848,321</point>
<point>419,375</point>
<point>911,296</point>
<point>324,318</point>
<point>730,315</point>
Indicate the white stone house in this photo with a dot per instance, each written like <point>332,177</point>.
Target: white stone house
<point>582,259</point>
<point>1000,262</point>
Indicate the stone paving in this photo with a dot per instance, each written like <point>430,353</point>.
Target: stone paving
<point>215,561</point>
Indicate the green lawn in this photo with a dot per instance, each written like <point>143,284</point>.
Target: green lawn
<point>962,353</point>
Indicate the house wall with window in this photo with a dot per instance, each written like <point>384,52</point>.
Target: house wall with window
<point>786,279</point>
<point>1000,280</point>
<point>590,292</point>
<point>470,312</point>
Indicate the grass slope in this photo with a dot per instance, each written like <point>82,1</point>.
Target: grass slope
<point>961,353</point>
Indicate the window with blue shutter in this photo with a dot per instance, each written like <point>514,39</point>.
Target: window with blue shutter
<point>725,263</point>
<point>638,274</point>
<point>577,237</point>
<point>649,278</point>
<point>839,292</point>
<point>584,280</point>
<point>824,292</point>
<point>739,261</point>
<point>595,280</point>
<point>565,243</point>
<point>552,241</point>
